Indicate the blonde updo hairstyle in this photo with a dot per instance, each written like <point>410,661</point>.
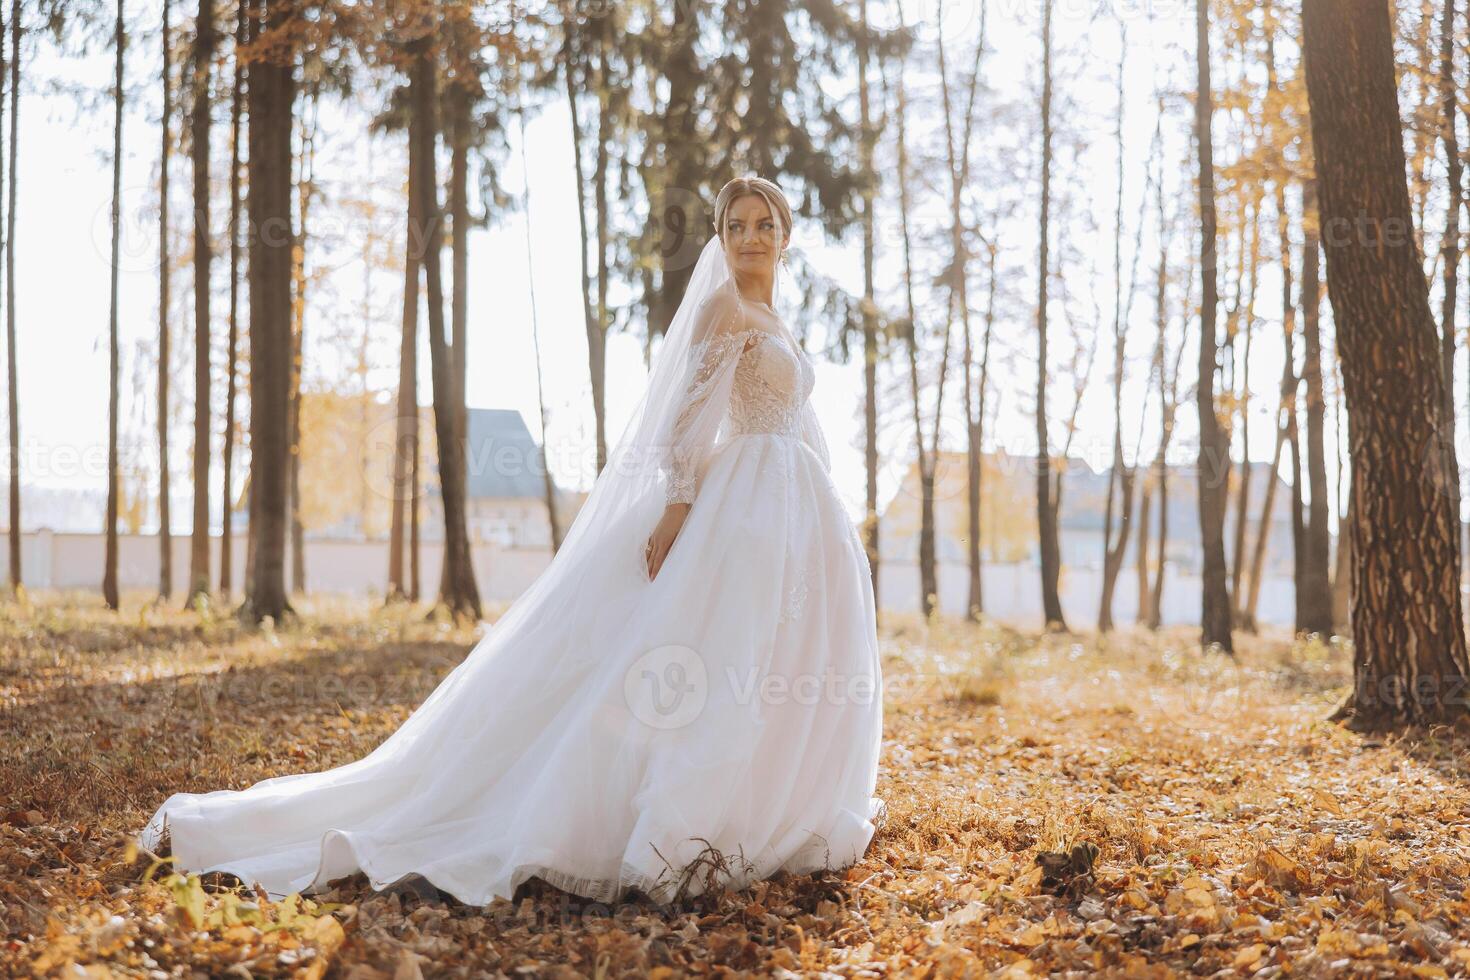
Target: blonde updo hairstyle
<point>740,187</point>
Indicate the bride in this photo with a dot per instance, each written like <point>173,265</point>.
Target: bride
<point>688,696</point>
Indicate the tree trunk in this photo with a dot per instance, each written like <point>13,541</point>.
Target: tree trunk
<point>305,191</point>
<point>199,119</point>
<point>1046,508</point>
<point>1409,643</point>
<point>1213,474</point>
<point>1140,564</point>
<point>1169,409</point>
<point>109,560</point>
<point>975,608</point>
<point>602,24</point>
<point>165,531</point>
<point>415,482</point>
<point>457,589</point>
<point>596,337</point>
<point>548,484</point>
<point>457,105</point>
<point>271,95</point>
<point>1268,504</point>
<point>867,143</point>
<point>405,448</point>
<point>686,164</point>
<point>1298,514</point>
<point>958,158</point>
<point>1342,579</point>
<point>1315,613</point>
<point>1247,472</point>
<point>1450,247</point>
<point>923,459</point>
<point>1120,475</point>
<point>1147,607</point>
<point>459,216</point>
<point>14,393</point>
<point>226,544</point>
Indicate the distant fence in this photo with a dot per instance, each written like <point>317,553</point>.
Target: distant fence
<point>73,561</point>
<point>1011,592</point>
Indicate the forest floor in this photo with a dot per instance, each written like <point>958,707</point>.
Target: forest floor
<point>1237,832</point>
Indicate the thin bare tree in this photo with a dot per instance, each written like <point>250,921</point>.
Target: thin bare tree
<point>867,142</point>
<point>109,560</point>
<point>227,500</point>
<point>199,125</point>
<point>1046,504</point>
<point>13,390</point>
<point>272,96</point>
<point>957,280</point>
<point>458,593</point>
<point>406,437</point>
<point>165,529</point>
<point>1214,447</point>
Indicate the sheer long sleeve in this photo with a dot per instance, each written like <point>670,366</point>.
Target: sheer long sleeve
<point>709,375</point>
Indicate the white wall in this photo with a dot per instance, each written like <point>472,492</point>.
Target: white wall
<point>1012,594</point>
<point>74,561</point>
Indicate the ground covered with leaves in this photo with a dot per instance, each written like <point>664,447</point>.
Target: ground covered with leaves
<point>1060,805</point>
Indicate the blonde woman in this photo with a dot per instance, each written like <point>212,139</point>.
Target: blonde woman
<point>688,696</point>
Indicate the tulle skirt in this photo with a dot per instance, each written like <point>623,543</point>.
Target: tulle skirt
<point>715,725</point>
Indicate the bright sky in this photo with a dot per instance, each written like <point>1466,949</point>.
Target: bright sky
<point>62,260</point>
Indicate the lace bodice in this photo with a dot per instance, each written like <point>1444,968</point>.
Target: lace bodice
<point>753,379</point>
<point>772,382</point>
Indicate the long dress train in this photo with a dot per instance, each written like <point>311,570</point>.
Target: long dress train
<point>720,722</point>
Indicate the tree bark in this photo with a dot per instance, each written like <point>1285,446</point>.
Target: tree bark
<point>1410,662</point>
<point>927,455</point>
<point>1315,611</point>
<point>271,96</point>
<point>457,589</point>
<point>227,510</point>
<point>109,559</point>
<point>199,119</point>
<point>924,456</point>
<point>1450,247</point>
<point>459,217</point>
<point>305,191</point>
<point>867,142</point>
<point>975,608</point>
<point>165,531</point>
<point>1284,415</point>
<point>1046,507</point>
<point>1121,476</point>
<point>405,443</point>
<point>1247,472</point>
<point>958,159</point>
<point>1213,474</point>
<point>14,392</point>
<point>596,338</point>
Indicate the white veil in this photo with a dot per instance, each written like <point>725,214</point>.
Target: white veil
<point>610,532</point>
<point>500,711</point>
<point>630,488</point>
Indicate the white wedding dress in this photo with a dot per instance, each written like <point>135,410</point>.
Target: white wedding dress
<point>716,724</point>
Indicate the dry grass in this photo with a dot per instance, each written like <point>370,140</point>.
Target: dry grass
<point>1237,832</point>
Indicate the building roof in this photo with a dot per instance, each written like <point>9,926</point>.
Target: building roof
<point>502,459</point>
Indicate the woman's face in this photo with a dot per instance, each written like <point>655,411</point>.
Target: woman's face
<point>751,237</point>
